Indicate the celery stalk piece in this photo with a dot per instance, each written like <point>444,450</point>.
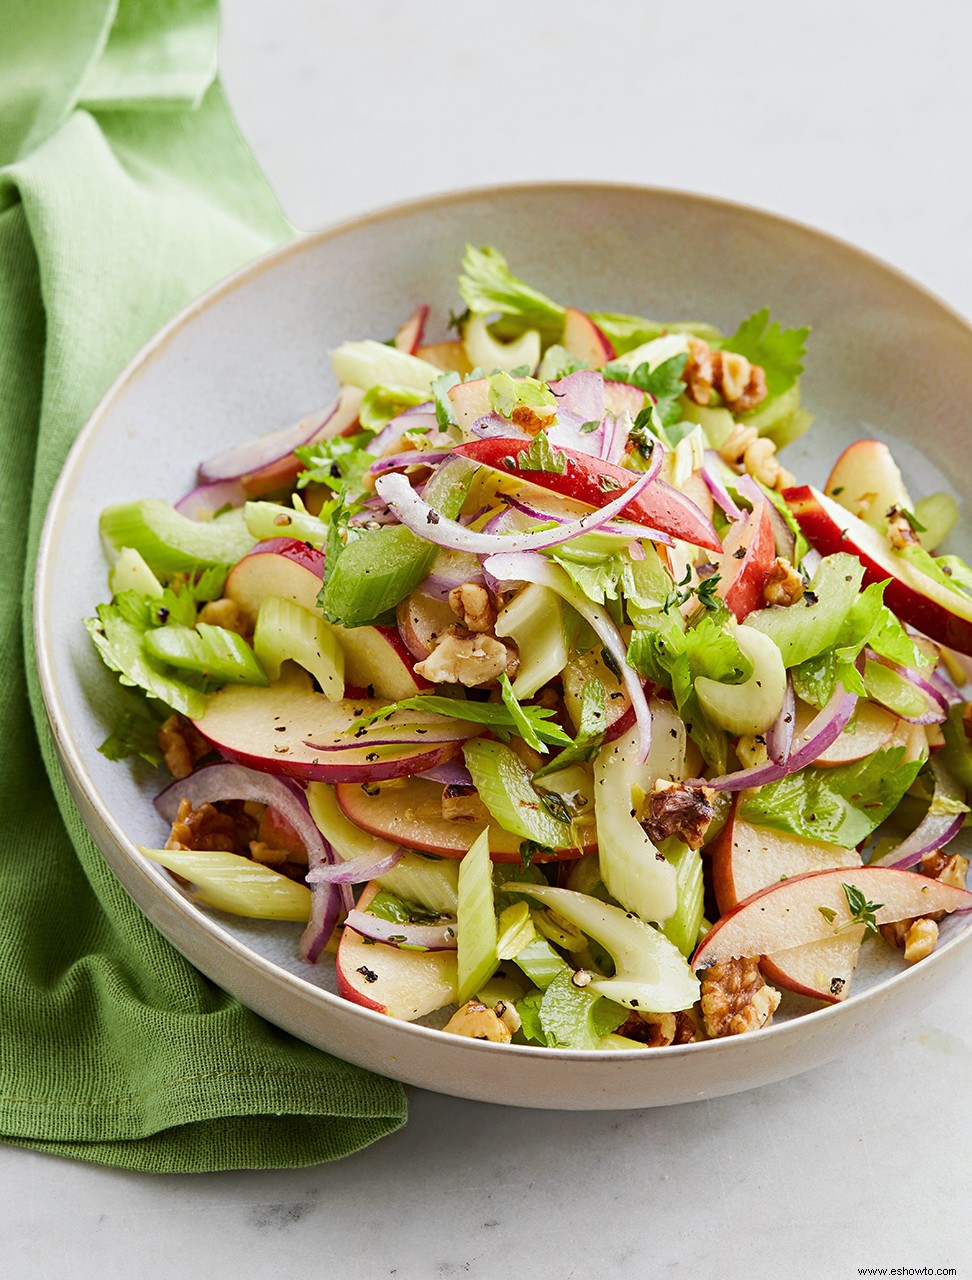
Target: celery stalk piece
<point>209,651</point>
<point>507,985</point>
<point>717,424</point>
<point>285,631</point>
<point>651,974</point>
<point>483,351</point>
<point>505,788</point>
<point>170,542</point>
<point>368,363</point>
<point>956,755</point>
<point>804,630</point>
<point>120,644</point>
<point>682,928</point>
<point>131,573</point>
<point>894,691</point>
<point>432,883</point>
<point>476,920</point>
<point>534,619</point>
<point>266,520</point>
<point>378,570</point>
<point>629,863</point>
<point>752,706</point>
<point>515,930</point>
<point>232,883</point>
<point>540,962</point>
<point>654,352</point>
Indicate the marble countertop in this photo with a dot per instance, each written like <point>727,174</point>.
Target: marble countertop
<point>851,118</point>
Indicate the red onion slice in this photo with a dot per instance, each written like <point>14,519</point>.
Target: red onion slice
<point>356,870</point>
<point>580,395</point>
<point>822,731</point>
<point>524,567</point>
<point>432,937</point>
<point>779,738</point>
<point>937,700</point>
<point>411,458</point>
<point>414,418</point>
<point>941,681</point>
<point>254,455</point>
<point>418,516</point>
<point>206,499</point>
<point>451,774</point>
<point>624,528</point>
<point>783,535</point>
<point>934,831</point>
<point>714,483</point>
<point>492,424</point>
<point>614,437</point>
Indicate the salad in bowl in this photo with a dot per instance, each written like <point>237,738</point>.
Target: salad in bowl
<point>527,678</point>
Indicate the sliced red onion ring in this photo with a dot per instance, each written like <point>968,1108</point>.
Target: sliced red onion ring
<point>451,774</point>
<point>411,458</point>
<point>714,483</point>
<point>356,870</point>
<point>624,528</point>
<point>580,395</point>
<point>779,738</point>
<point>524,567</point>
<point>941,681</point>
<point>822,731</point>
<point>254,455</point>
<point>934,831</point>
<point>413,418</point>
<point>433,937</point>
<point>783,535</point>
<point>614,437</point>
<point>635,550</point>
<point>206,499</point>
<point>226,781</point>
<point>492,424</point>
<point>427,523</point>
<point>439,586</point>
<point>938,701</point>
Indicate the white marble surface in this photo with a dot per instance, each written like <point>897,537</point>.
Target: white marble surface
<point>850,117</point>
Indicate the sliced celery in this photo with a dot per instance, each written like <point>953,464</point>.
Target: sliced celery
<point>286,632</point>
<point>507,985</point>
<point>131,573</point>
<point>170,542</point>
<point>683,927</point>
<point>534,619</point>
<point>266,520</point>
<point>956,755</point>
<point>650,972</point>
<point>119,642</point>
<point>804,630</point>
<point>540,962</point>
<point>476,920</point>
<point>214,652</point>
<point>717,424</point>
<point>431,882</point>
<point>232,883</point>
<point>515,930</point>
<point>368,363</point>
<point>379,569</point>
<point>894,691</point>
<point>505,788</point>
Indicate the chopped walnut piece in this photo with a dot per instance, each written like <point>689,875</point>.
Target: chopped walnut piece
<point>181,746</point>
<point>507,1014</point>
<point>227,614</point>
<point>742,385</point>
<point>900,532</point>
<point>209,828</point>
<point>472,605</point>
<point>658,1030</point>
<point>699,374</point>
<point>530,420</point>
<point>920,940</point>
<point>479,1022</point>
<point>736,998</point>
<point>461,803</point>
<point>472,660</point>
<point>948,868</point>
<point>269,857</point>
<point>746,450</point>
<point>678,810</point>
<point>783,585</point>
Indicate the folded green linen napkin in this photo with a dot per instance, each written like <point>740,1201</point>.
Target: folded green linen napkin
<point>125,189</point>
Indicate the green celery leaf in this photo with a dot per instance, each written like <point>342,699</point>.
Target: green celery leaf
<point>381,404</point>
<point>528,1007</point>
<point>590,734</point>
<point>496,715</point>
<point>487,285</point>
<point>842,804</point>
<point>778,351</point>
<point>445,415</point>
<point>664,384</point>
<point>119,641</point>
<point>136,731</point>
<point>627,332</point>
<point>341,463</point>
<point>542,456</point>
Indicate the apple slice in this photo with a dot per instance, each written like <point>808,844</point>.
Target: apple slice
<point>271,733</point>
<point>409,337</point>
<point>746,858</point>
<point>812,908</point>
<point>403,984</point>
<point>421,620</point>
<point>578,673</point>
<point>446,356</point>
<point>411,815</point>
<point>916,598</point>
<point>867,482</point>
<point>375,658</point>
<point>871,728</point>
<point>750,550</point>
<point>820,970</point>
<point>584,340</point>
<point>622,397</point>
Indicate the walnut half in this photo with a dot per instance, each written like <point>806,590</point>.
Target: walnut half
<point>736,998</point>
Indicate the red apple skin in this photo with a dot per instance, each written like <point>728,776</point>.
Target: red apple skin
<point>743,579</point>
<point>395,974</point>
<point>585,341</point>
<point>410,335</point>
<point>412,815</point>
<point>659,506</point>
<point>829,528</point>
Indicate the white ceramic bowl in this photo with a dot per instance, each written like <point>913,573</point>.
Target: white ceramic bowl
<point>252,355</point>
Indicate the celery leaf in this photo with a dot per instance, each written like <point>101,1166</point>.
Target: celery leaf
<point>779,352</point>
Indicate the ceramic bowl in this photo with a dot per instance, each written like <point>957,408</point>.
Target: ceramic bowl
<point>252,355</point>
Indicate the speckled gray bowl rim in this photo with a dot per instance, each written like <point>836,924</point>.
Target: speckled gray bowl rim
<point>155,877</point>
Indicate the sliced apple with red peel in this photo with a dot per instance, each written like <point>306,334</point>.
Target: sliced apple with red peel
<point>271,733</point>
<point>376,658</point>
<point>746,858</point>
<point>622,397</point>
<point>871,728</point>
<point>421,620</point>
<point>584,340</point>
<point>412,815</point>
<point>402,984</point>
<point>578,673</point>
<point>470,402</point>
<point>820,970</point>
<point>410,335</point>
<point>813,908</point>
<point>339,418</point>
<point>867,482</point>
<point>749,552</point>
<point>697,491</point>
<point>916,598</point>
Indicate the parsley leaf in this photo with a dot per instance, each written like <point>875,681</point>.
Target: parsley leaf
<point>541,456</point>
<point>664,384</point>
<point>136,732</point>
<point>590,734</point>
<point>778,351</point>
<point>487,285</point>
<point>341,463</point>
<point>497,716</point>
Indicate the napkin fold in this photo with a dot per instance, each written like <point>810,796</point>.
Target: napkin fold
<point>125,190</point>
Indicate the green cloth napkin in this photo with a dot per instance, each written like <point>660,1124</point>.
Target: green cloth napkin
<point>125,189</point>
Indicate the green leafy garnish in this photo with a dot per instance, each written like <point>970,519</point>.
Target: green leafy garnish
<point>381,404</point>
<point>137,729</point>
<point>627,332</point>
<point>569,1017</point>
<point>487,285</point>
<point>498,716</point>
<point>590,734</point>
<point>507,393</point>
<point>704,591</point>
<point>541,456</point>
<point>341,463</point>
<point>862,911</point>
<point>529,849</point>
<point>118,638</point>
<point>445,415</point>
<point>664,384</point>
<point>778,351</point>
